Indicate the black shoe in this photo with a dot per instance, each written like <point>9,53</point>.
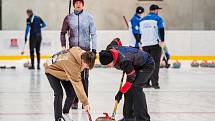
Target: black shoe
<point>156,87</point>
<point>31,68</point>
<point>168,65</point>
<point>147,86</point>
<point>75,106</point>
<point>61,119</point>
<point>38,67</point>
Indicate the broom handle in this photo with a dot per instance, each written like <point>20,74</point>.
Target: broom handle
<point>70,4</point>
<point>164,53</point>
<point>89,116</point>
<point>116,103</point>
<point>115,107</point>
<point>120,86</point>
<point>165,58</point>
<point>126,22</point>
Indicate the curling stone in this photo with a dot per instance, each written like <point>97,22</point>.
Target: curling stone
<point>204,64</point>
<point>176,65</point>
<point>12,67</point>
<point>212,64</point>
<point>27,64</point>
<point>195,64</point>
<point>105,118</point>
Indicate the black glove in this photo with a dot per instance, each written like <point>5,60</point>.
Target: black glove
<point>94,51</point>
<point>118,96</point>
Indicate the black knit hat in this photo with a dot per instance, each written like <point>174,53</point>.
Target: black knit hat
<point>74,1</point>
<point>139,10</point>
<point>154,7</point>
<point>29,11</point>
<point>105,57</point>
<point>115,43</point>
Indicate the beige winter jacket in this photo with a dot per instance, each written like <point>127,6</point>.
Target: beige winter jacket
<point>66,65</point>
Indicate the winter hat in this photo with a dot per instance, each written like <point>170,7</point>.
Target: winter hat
<point>139,10</point>
<point>74,1</point>
<point>105,57</point>
<point>115,43</point>
<point>154,7</point>
<point>29,11</point>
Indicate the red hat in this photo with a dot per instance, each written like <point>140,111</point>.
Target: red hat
<point>74,1</point>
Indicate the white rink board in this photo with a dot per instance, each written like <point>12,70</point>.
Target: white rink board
<point>191,43</point>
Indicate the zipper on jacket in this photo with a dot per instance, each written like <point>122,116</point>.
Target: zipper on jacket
<point>78,30</point>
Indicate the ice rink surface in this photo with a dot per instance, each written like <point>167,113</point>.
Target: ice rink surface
<point>186,94</point>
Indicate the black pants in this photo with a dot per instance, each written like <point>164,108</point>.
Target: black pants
<point>85,81</point>
<point>135,107</point>
<point>56,85</point>
<point>35,43</point>
<point>155,52</point>
<point>138,39</point>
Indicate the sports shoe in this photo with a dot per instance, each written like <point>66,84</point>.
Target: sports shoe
<point>67,117</point>
<point>147,86</point>
<point>61,119</point>
<point>156,87</point>
<point>31,68</point>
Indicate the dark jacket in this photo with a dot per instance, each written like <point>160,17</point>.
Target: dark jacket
<point>34,25</point>
<point>130,60</point>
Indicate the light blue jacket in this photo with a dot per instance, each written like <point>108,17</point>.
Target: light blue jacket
<point>82,31</point>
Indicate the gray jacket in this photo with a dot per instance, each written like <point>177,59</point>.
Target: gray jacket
<point>82,31</point>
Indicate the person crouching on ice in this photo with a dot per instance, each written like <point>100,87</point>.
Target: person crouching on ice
<point>68,65</point>
<point>138,66</point>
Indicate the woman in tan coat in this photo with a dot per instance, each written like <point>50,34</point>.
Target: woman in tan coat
<point>68,65</point>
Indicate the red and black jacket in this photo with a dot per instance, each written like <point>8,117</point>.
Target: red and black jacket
<point>130,61</point>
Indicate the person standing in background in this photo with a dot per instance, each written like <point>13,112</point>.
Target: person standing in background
<point>152,37</point>
<point>34,24</point>
<point>82,32</point>
<point>134,28</point>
